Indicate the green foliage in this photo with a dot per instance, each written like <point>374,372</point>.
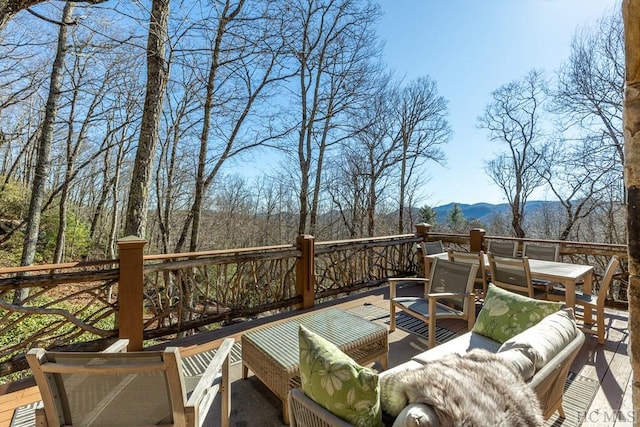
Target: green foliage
<point>19,329</point>
<point>13,201</point>
<point>14,204</point>
<point>427,214</point>
<point>455,219</point>
<point>77,239</point>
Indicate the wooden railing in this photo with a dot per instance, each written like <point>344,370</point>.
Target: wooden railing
<point>87,305</point>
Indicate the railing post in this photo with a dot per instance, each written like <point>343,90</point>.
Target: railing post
<point>476,239</point>
<point>422,230</point>
<point>305,271</point>
<point>130,296</point>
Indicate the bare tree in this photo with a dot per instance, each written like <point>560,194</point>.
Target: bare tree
<point>244,63</point>
<point>44,151</point>
<point>421,127</point>
<point>157,75</point>
<point>589,92</point>
<point>578,178</point>
<point>399,129</point>
<point>513,118</point>
<point>332,42</point>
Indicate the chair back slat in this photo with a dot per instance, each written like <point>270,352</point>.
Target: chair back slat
<point>513,274</point>
<point>506,248</point>
<point>607,278</point>
<point>542,252</point>
<point>448,276</point>
<point>432,248</point>
<point>475,258</point>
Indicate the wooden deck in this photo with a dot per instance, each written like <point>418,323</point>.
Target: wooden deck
<point>608,364</point>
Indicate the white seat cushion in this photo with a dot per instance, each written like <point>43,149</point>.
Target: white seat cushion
<point>459,345</point>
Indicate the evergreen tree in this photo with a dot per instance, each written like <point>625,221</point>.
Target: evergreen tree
<point>455,218</point>
<point>427,214</point>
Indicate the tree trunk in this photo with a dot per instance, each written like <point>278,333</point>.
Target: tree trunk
<point>631,119</point>
<point>403,183</point>
<point>43,161</point>
<point>157,73</point>
<point>200,188</point>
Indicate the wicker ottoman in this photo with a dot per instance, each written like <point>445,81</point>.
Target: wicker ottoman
<point>271,352</point>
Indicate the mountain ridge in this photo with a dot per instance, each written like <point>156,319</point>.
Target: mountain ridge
<point>483,212</point>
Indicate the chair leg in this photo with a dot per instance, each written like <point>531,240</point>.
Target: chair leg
<point>600,326</point>
<point>471,313</point>
<point>392,317</point>
<point>561,411</point>
<point>432,323</point>
<point>225,390</point>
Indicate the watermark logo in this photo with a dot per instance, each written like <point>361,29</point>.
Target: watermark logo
<point>598,417</point>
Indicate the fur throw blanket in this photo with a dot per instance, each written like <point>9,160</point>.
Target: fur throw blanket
<point>477,389</point>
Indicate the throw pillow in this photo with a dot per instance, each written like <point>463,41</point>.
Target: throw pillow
<point>336,382</point>
<point>506,314</point>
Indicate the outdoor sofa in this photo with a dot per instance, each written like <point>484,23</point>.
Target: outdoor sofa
<point>550,345</point>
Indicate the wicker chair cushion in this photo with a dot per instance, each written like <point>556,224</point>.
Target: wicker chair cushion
<point>336,382</point>
<point>506,314</point>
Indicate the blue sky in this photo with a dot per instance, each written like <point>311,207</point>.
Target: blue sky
<point>470,48</point>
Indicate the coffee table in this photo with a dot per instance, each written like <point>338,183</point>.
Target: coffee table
<point>271,352</point>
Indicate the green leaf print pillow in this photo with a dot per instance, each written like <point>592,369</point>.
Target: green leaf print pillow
<point>336,382</point>
<point>505,314</point>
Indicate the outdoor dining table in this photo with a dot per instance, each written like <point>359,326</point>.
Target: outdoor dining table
<point>565,273</point>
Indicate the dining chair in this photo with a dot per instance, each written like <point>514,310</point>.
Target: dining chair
<point>542,252</point>
<point>476,258</point>
<point>590,301</point>
<point>513,274</point>
<point>503,248</point>
<point>118,388</point>
<point>447,294</point>
<point>432,248</point>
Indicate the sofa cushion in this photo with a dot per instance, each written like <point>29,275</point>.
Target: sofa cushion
<point>506,314</point>
<point>459,345</point>
<point>546,338</point>
<point>336,382</point>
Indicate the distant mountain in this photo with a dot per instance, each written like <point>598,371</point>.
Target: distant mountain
<point>485,211</point>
